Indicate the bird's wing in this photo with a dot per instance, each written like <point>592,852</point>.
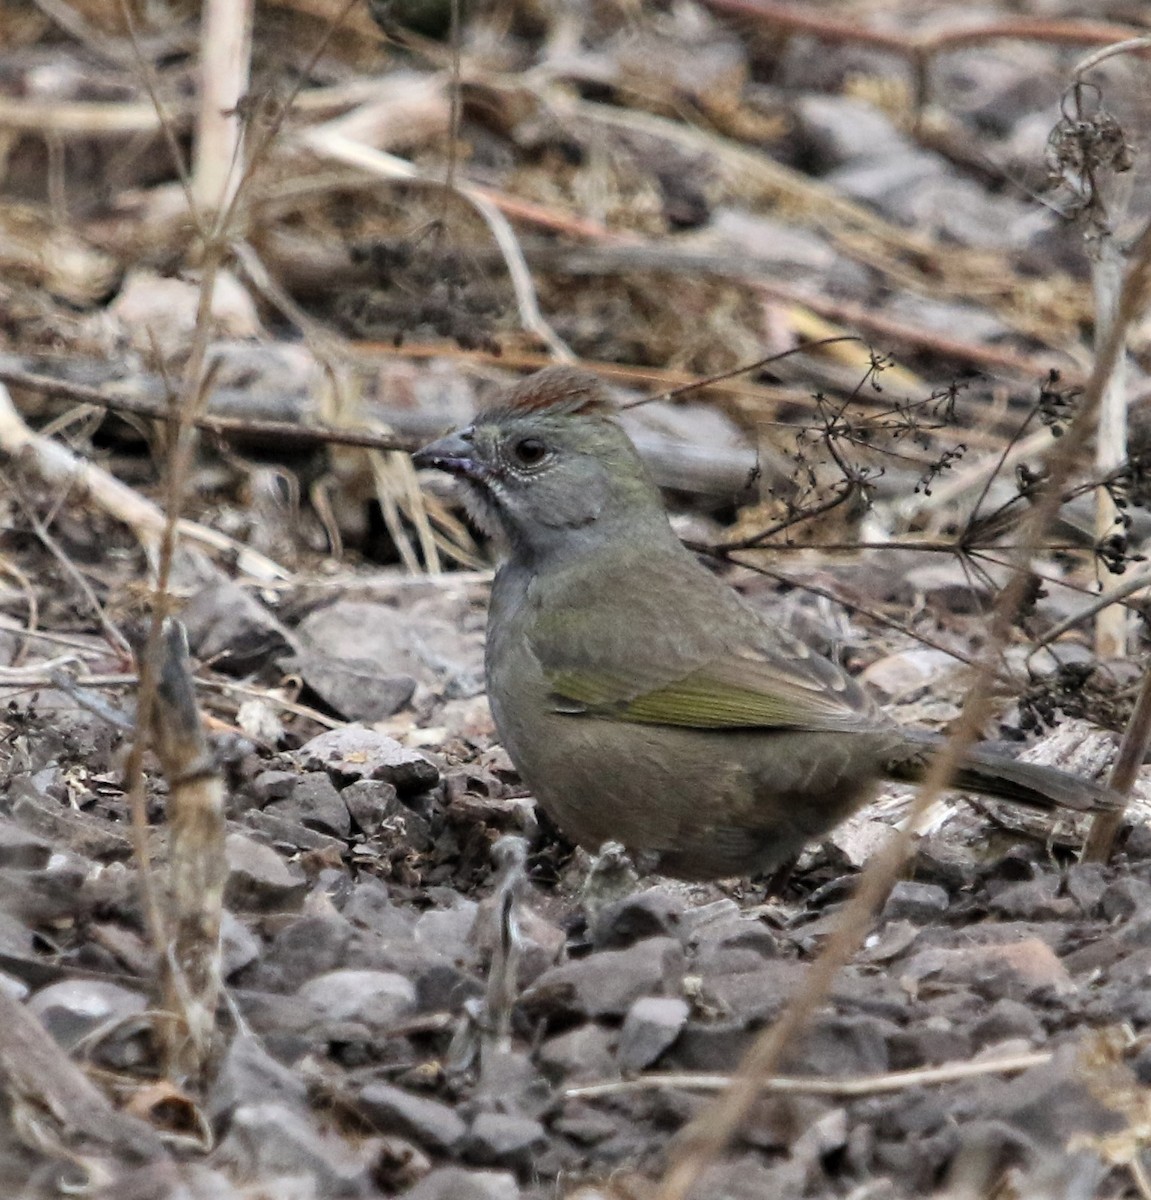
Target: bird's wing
<point>778,683</point>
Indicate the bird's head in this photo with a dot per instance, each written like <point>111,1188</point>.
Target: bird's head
<point>548,466</point>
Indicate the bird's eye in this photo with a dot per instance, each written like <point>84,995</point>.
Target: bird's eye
<point>529,451</point>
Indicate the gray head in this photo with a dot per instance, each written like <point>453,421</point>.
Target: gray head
<point>548,466</point>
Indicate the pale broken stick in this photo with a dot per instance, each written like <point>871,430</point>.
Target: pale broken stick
<point>197,869</point>
<point>60,469</point>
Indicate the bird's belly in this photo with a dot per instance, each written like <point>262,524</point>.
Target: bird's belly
<point>710,804</point>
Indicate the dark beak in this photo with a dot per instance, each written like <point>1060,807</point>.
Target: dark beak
<point>454,454</point>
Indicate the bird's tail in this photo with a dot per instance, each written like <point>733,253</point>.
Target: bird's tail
<point>991,770</point>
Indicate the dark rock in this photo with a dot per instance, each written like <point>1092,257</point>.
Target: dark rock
<point>457,1183</point>
<point>928,1043</point>
<point>377,999</point>
<point>1007,1019</point>
<point>449,931</point>
<point>499,1139</point>
<point>35,804</point>
<point>354,687</point>
<point>74,1007</point>
<point>22,850</point>
<point>288,834</point>
<point>1124,897</point>
<point>249,1075</point>
<point>354,752</point>
<point>847,1045</point>
<point>655,912</point>
<point>394,1110</point>
<point>302,950</point>
<point>583,1055</point>
<point>274,785</point>
<point>1016,970</point>
<point>652,1024</point>
<point>443,987</point>
<point>1035,899</point>
<point>758,995</point>
<point>917,902</point>
<point>270,1140</point>
<point>258,878</point>
<point>1052,1103</point>
<point>231,627</point>
<point>714,1046</point>
<point>315,803</point>
<point>1086,884</point>
<point>939,859</point>
<point>370,802</point>
<point>399,1164</point>
<point>606,984</point>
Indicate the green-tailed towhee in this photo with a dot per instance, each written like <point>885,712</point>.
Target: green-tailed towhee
<point>641,699</point>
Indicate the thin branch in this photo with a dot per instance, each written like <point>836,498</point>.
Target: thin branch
<point>860,1085</point>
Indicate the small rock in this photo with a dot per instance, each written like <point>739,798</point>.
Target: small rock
<point>375,998</point>
<point>250,1075</point>
<point>651,913</point>
<point>918,902</point>
<point>928,1043</point>
<point>270,1140</point>
<point>258,878</point>
<point>1053,1103</point>
<point>74,1007</point>
<point>1035,899</point>
<point>843,1045</point>
<point>606,984</point>
<point>399,1164</point>
<point>354,687</point>
<point>1007,1019</point>
<point>274,785</point>
<point>1125,896</point>
<point>1086,885</point>
<point>228,625</point>
<point>289,834</point>
<point>354,752</point>
<point>315,803</point>
<point>1013,970</point>
<point>582,1054</point>
<point>394,1110</point>
<point>21,849</point>
<point>370,802</point>
<point>456,1183</point>
<point>909,671</point>
<point>652,1024</point>
<point>239,946</point>
<point>499,1139</point>
<point>304,949</point>
<point>449,930</point>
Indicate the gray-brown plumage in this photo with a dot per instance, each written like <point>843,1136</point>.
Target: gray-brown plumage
<point>641,699</point>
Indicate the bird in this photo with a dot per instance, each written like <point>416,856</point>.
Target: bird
<point>642,700</point>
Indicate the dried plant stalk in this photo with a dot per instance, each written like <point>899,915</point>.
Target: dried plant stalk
<point>191,965</point>
<point>1136,739</point>
<point>225,51</point>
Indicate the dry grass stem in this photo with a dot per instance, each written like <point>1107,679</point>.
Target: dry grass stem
<point>61,470</point>
<point>864,1085</point>
<point>225,51</point>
